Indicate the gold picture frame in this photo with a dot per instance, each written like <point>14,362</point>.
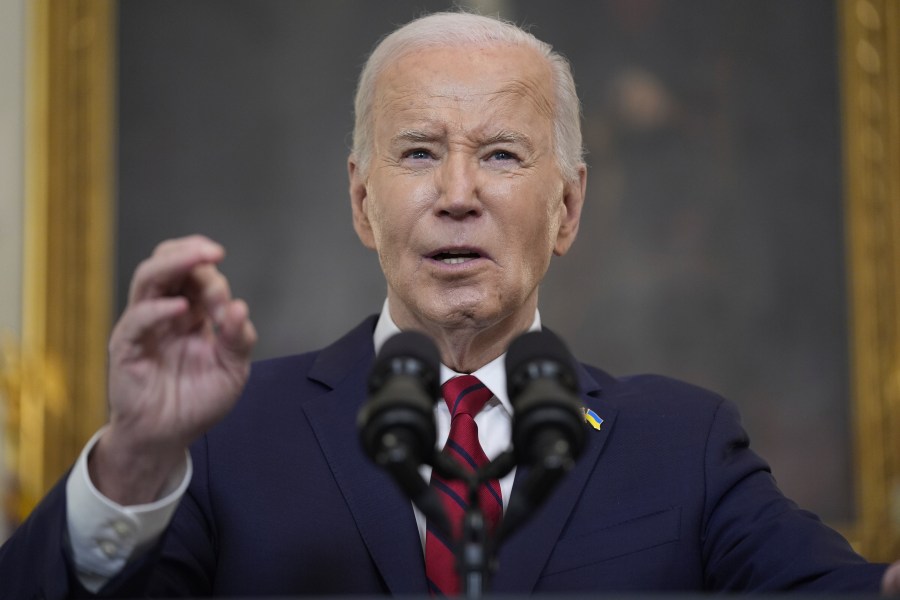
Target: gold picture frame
<point>870,86</point>
<point>54,379</point>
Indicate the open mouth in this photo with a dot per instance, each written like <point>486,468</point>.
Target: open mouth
<point>455,257</point>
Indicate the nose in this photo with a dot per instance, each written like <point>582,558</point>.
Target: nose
<point>458,190</point>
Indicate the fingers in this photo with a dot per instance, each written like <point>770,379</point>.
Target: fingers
<point>146,317</point>
<point>208,292</point>
<point>236,331</point>
<point>209,295</point>
<point>179,290</point>
<point>890,584</point>
<point>184,267</point>
<point>166,271</point>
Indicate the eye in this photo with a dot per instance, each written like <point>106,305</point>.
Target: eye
<point>417,154</point>
<point>502,155</point>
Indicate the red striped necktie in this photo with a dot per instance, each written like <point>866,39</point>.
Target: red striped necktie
<point>465,397</point>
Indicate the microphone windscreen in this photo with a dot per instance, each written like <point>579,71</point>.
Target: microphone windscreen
<point>538,354</point>
<point>410,344</point>
<point>408,353</point>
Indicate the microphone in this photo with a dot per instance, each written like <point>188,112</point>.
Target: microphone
<point>396,426</point>
<point>548,428</point>
<point>548,431</point>
<point>398,421</point>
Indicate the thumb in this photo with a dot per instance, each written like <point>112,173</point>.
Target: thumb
<point>235,330</point>
<point>890,583</point>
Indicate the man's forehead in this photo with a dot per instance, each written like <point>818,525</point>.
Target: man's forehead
<point>425,98</point>
<point>531,90</point>
<point>505,79</point>
<point>459,72</point>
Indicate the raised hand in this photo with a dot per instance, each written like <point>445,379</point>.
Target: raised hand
<point>890,584</point>
<point>178,359</point>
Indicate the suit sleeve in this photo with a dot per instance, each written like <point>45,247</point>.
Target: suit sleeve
<point>37,561</point>
<point>755,539</point>
<point>182,563</point>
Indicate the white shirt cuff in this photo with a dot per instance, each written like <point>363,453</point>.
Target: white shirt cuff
<point>104,534</point>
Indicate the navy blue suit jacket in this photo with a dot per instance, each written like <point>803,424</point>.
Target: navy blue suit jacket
<point>667,496</point>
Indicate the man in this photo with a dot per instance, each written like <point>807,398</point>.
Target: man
<point>466,177</point>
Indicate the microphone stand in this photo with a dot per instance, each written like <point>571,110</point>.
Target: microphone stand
<point>476,551</point>
<point>474,561</point>
<point>476,555</point>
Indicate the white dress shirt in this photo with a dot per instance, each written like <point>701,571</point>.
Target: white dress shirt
<point>494,421</point>
<point>105,535</point>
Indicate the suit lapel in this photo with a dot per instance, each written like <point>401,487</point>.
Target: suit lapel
<point>382,513</point>
<point>523,556</point>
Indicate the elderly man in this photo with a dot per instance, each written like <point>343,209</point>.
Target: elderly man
<point>466,177</point>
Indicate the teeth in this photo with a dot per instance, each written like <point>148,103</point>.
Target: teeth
<point>455,257</point>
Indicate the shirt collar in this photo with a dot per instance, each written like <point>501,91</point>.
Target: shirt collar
<point>492,375</point>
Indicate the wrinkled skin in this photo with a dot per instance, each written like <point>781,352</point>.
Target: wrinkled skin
<point>464,200</point>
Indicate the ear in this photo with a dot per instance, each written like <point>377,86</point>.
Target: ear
<point>573,201</point>
<point>359,195</point>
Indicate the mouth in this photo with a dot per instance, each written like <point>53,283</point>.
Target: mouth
<point>456,256</point>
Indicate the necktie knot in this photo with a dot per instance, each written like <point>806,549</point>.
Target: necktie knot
<point>465,395</point>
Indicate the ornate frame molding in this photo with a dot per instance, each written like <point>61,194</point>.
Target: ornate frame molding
<point>870,63</point>
<point>55,380</point>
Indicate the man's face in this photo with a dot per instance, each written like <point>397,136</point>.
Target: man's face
<point>463,199</point>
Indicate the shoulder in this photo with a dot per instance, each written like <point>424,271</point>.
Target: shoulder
<point>321,368</point>
<point>272,409</point>
<point>657,407</point>
<point>653,392</point>
<point>279,387</point>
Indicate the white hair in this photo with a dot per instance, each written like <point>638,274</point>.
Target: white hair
<point>457,29</point>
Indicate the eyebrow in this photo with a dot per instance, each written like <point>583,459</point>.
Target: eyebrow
<point>413,135</point>
<point>505,136</point>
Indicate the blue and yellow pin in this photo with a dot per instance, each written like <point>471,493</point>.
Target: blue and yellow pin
<point>592,418</point>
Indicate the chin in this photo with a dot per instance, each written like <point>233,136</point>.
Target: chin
<point>464,307</point>
<point>467,313</point>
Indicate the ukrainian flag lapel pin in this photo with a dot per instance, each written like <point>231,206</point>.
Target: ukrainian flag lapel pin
<point>592,418</point>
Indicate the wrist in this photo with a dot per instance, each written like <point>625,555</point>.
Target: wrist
<point>130,473</point>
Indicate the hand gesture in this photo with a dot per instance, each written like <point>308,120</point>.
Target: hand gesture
<point>178,359</point>
<point>890,584</point>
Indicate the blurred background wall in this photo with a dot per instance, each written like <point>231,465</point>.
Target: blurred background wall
<point>711,247</point>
